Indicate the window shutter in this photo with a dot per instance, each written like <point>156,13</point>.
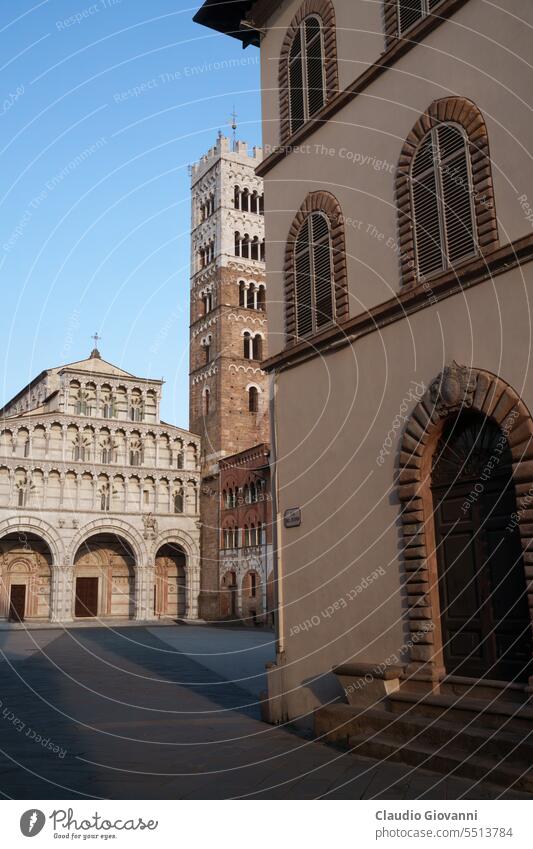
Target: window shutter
<point>426,210</point>
<point>410,11</point>
<point>302,272</point>
<point>296,91</point>
<point>322,270</point>
<point>314,65</point>
<point>456,194</point>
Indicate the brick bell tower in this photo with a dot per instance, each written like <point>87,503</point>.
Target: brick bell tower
<point>228,332</point>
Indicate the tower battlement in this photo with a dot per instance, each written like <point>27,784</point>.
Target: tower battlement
<point>224,147</point>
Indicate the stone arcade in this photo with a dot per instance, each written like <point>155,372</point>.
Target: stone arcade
<point>99,513</point>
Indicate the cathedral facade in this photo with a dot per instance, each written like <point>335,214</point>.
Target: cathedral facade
<point>99,500</point>
<point>228,388</point>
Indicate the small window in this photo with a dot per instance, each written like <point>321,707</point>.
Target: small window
<point>306,72</point>
<point>442,200</point>
<point>206,402</point>
<point>410,12</point>
<point>178,501</point>
<point>313,275</point>
<point>253,399</point>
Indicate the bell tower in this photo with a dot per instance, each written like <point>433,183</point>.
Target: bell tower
<point>228,330</point>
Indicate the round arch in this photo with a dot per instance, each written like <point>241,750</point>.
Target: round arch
<point>118,528</point>
<point>457,388</point>
<point>30,525</point>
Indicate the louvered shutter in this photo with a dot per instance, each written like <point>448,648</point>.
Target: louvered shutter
<point>426,210</point>
<point>410,11</point>
<point>456,193</point>
<point>322,277</point>
<point>302,270</point>
<point>296,90</point>
<point>314,65</point>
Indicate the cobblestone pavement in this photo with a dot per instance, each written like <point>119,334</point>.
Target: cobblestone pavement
<point>141,713</point>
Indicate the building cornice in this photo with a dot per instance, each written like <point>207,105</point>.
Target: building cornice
<point>398,48</point>
<point>406,303</point>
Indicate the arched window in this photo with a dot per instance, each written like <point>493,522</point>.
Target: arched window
<point>442,204</point>
<point>237,243</point>
<point>236,197</point>
<point>248,346</point>
<point>105,497</point>
<point>244,200</point>
<point>308,72</point>
<point>444,191</point>
<point>253,399</point>
<point>410,12</point>
<point>178,500</point>
<point>243,294</point>
<point>179,459</point>
<point>313,272</point>
<point>316,286</point>
<point>136,409</point>
<point>261,298</point>
<point>206,401</point>
<point>257,347</point>
<point>135,453</point>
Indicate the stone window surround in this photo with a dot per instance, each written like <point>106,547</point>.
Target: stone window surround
<point>456,388</point>
<point>465,113</point>
<point>328,204</point>
<point>325,10</point>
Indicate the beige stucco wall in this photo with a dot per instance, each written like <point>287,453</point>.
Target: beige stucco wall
<point>475,55</point>
<point>334,415</point>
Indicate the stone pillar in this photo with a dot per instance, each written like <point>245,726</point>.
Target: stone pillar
<point>144,592</point>
<point>193,587</point>
<point>62,593</point>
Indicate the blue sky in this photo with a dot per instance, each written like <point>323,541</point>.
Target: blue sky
<point>103,107</point>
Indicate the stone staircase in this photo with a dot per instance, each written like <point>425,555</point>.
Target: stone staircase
<point>482,731</point>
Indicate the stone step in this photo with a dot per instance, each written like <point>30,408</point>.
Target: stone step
<point>473,688</point>
<point>487,742</point>
<point>510,716</point>
<point>446,762</point>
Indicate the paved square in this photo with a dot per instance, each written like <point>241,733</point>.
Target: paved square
<point>167,712</point>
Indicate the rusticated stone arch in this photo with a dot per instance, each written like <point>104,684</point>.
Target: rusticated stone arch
<point>464,112</point>
<point>325,10</point>
<point>456,388</point>
<point>328,204</point>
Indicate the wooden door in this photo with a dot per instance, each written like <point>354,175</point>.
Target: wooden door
<point>17,602</point>
<point>86,597</point>
<point>485,619</point>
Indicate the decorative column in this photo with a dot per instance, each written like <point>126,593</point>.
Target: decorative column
<point>144,592</point>
<point>62,592</point>
<point>193,586</point>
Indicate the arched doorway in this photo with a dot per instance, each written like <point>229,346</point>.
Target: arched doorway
<point>482,589</point>
<point>252,604</point>
<point>104,578</point>
<point>26,575</point>
<point>228,596</point>
<point>170,589</point>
